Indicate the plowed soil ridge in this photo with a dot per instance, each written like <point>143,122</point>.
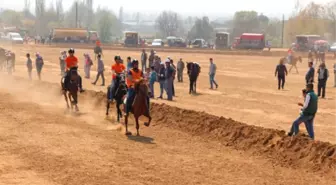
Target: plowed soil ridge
<point>295,152</point>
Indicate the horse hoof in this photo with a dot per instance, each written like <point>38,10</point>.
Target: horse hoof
<point>146,124</point>
<point>128,133</point>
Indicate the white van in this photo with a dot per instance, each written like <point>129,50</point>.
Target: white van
<point>15,37</point>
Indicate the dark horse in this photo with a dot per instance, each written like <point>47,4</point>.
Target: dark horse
<point>140,106</point>
<point>118,95</point>
<point>71,89</point>
<point>193,71</point>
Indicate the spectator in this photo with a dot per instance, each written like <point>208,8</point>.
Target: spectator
<point>212,73</point>
<point>161,79</point>
<point>323,75</point>
<point>144,60</point>
<point>29,66</point>
<point>100,70</point>
<point>310,74</point>
<point>309,109</point>
<point>180,68</point>
<point>281,71</point>
<point>152,79</point>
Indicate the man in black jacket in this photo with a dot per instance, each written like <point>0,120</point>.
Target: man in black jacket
<point>310,74</point>
<point>281,71</point>
<point>323,75</point>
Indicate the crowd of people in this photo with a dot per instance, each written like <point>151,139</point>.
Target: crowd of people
<point>154,70</point>
<point>310,105</point>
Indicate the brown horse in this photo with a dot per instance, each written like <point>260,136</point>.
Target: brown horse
<point>71,90</point>
<point>140,106</point>
<point>294,62</point>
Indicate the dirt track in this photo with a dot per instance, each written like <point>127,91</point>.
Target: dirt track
<point>39,144</point>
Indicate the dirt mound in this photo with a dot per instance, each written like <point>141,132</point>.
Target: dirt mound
<point>287,151</point>
<point>296,152</point>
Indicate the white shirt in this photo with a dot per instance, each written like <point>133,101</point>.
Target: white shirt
<point>306,103</point>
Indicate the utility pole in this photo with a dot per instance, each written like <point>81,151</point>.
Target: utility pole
<point>76,14</point>
<point>283,30</point>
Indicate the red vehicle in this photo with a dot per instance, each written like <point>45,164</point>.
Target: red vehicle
<point>251,41</point>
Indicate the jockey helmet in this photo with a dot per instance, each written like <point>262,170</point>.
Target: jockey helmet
<point>135,62</point>
<point>71,50</point>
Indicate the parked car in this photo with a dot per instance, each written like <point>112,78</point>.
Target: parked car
<point>199,43</point>
<point>333,47</point>
<point>157,43</point>
<point>14,37</point>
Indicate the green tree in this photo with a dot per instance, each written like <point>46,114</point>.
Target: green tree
<point>245,21</point>
<point>168,23</point>
<point>11,17</point>
<point>201,29</point>
<point>107,25</point>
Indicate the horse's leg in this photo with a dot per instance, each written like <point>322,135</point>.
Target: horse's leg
<point>149,121</point>
<point>137,125</point>
<point>118,115</point>
<point>107,107</point>
<point>126,125</point>
<point>67,101</point>
<point>69,97</point>
<point>296,69</point>
<point>75,97</point>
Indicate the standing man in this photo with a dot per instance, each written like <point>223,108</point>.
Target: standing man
<point>323,75</point>
<point>29,66</point>
<point>174,74</point>
<point>62,62</point>
<point>180,68</point>
<point>310,74</point>
<point>334,74</point>
<point>151,58</point>
<point>169,80</point>
<point>212,73</point>
<point>39,64</point>
<point>281,71</point>
<point>100,70</point>
<point>144,60</point>
<point>307,116</point>
<point>129,64</point>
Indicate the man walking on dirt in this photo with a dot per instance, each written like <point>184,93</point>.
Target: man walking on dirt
<point>212,73</point>
<point>180,68</point>
<point>144,60</point>
<point>281,71</point>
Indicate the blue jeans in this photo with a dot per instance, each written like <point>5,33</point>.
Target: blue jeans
<point>130,99</point>
<point>151,86</point>
<point>162,87</point>
<point>169,88</point>
<point>212,80</point>
<point>308,121</point>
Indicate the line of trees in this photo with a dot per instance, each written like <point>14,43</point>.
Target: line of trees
<point>311,19</point>
<point>53,16</point>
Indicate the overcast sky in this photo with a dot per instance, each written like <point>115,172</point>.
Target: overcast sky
<point>193,7</point>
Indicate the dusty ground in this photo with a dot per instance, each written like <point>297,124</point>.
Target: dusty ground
<point>42,145</point>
